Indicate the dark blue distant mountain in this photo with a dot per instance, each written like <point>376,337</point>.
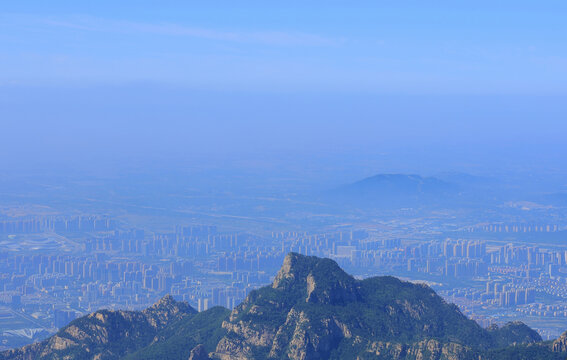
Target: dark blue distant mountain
<point>394,190</point>
<point>399,183</point>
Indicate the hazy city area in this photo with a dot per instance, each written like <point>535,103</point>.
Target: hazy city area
<point>500,261</point>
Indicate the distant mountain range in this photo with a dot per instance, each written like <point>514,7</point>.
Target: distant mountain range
<point>391,184</point>
<point>312,310</point>
<point>394,190</point>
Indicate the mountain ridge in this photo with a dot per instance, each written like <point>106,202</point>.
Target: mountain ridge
<point>105,334</point>
<point>393,190</point>
<point>312,310</point>
<point>323,312</point>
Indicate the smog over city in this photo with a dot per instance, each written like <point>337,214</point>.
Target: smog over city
<point>283,180</point>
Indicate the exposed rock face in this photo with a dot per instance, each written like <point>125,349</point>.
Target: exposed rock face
<point>560,344</point>
<point>199,353</point>
<point>166,310</point>
<point>433,349</point>
<point>322,280</point>
<point>309,281</point>
<point>105,334</point>
<point>314,310</point>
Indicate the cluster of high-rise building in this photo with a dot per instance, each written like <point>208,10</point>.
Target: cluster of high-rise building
<point>30,225</point>
<point>131,268</point>
<point>543,310</point>
<point>514,228</point>
<point>507,296</point>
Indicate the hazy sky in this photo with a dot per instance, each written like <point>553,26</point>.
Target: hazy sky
<point>419,47</point>
<point>120,79</point>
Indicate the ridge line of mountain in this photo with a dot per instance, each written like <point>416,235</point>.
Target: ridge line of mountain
<point>312,310</point>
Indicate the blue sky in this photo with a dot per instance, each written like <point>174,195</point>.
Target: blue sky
<point>126,79</point>
<point>481,47</point>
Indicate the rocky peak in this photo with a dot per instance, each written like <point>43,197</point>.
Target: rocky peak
<point>166,309</point>
<point>322,280</point>
<point>199,353</point>
<point>291,270</point>
<point>168,303</point>
<point>297,268</point>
